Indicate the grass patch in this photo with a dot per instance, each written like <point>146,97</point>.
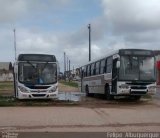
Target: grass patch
<point>8,101</point>
<point>6,86</point>
<point>71,83</point>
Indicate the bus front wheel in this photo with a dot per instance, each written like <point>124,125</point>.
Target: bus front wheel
<point>87,91</point>
<point>137,97</point>
<point>108,96</point>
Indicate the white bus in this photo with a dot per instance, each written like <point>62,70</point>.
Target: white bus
<point>36,76</point>
<point>125,72</point>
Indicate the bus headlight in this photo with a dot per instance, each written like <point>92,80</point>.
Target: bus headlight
<point>53,89</point>
<point>152,87</point>
<point>124,86</point>
<point>22,89</point>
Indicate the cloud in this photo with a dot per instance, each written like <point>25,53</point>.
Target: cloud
<point>29,41</point>
<point>133,23</point>
<point>132,15</point>
<point>122,24</point>
<point>13,10</point>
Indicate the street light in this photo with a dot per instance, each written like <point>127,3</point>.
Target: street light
<point>89,28</point>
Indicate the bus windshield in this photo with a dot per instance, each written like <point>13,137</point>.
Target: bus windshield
<point>137,68</point>
<point>37,73</point>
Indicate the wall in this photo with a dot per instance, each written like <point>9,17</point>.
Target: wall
<point>6,76</point>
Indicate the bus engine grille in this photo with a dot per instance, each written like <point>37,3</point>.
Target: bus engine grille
<point>38,95</point>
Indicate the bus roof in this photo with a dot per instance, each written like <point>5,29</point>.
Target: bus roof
<point>37,57</point>
<point>104,56</point>
<point>121,52</point>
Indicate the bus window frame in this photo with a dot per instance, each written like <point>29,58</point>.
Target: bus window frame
<point>109,64</point>
<point>102,68</point>
<point>88,72</point>
<point>93,70</point>
<point>97,67</point>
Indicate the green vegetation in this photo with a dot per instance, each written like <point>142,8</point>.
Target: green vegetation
<point>11,101</point>
<point>71,83</point>
<point>7,101</point>
<point>6,86</point>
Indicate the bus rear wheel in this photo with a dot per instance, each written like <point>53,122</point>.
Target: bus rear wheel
<point>137,98</point>
<point>108,96</point>
<point>87,91</point>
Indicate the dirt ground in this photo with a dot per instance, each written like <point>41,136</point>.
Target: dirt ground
<point>90,114</point>
<point>100,116</point>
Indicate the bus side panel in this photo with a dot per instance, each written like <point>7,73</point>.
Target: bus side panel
<point>97,83</point>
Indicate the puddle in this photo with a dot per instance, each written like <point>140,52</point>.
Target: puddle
<point>70,96</point>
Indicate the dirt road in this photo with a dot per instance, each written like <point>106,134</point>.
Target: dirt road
<point>140,117</point>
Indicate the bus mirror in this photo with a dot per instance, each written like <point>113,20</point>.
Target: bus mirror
<point>118,64</point>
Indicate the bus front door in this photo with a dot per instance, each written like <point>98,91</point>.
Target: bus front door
<point>114,76</point>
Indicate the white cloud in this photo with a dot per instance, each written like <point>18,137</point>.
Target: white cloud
<point>10,10</point>
<point>123,24</point>
<point>136,22</point>
<point>132,15</point>
<point>28,41</point>
<point>13,10</point>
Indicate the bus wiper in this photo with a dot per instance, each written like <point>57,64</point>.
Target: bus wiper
<point>31,64</point>
<point>45,66</point>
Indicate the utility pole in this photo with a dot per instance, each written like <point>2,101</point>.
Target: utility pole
<point>73,69</point>
<point>69,70</point>
<point>64,65</point>
<point>89,28</point>
<point>67,67</point>
<point>15,47</point>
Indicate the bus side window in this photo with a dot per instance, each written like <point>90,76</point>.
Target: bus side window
<point>102,67</point>
<point>109,65</point>
<point>84,72</point>
<point>97,67</point>
<point>88,70</point>
<point>92,69</point>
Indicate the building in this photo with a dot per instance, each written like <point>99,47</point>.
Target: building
<point>6,71</point>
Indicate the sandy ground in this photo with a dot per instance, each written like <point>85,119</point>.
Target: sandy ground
<point>91,115</point>
<point>142,116</point>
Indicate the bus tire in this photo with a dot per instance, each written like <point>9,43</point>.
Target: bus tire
<point>108,96</point>
<point>87,91</point>
<point>137,97</point>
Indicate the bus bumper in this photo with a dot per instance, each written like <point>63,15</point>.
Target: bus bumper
<point>125,89</point>
<point>52,95</point>
<point>136,92</point>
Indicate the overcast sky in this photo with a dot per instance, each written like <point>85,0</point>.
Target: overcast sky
<point>57,26</point>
